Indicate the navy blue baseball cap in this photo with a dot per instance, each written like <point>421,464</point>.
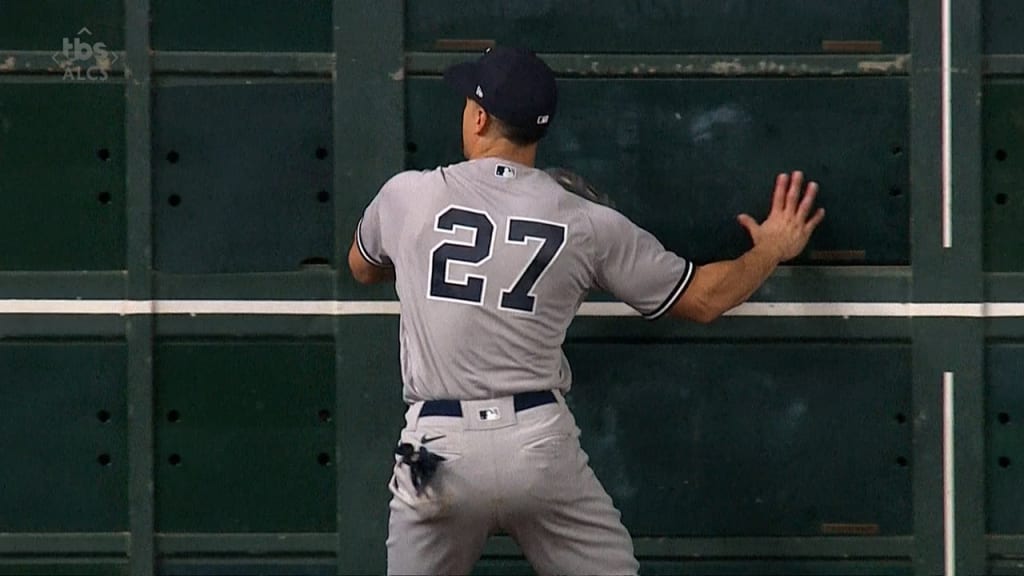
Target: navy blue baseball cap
<point>512,84</point>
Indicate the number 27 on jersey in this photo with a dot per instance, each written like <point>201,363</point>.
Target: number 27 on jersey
<point>519,297</point>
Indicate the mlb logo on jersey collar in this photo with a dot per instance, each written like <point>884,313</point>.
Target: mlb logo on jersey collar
<point>504,171</point>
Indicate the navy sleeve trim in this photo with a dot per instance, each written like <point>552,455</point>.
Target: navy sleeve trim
<point>681,287</point>
<point>362,249</point>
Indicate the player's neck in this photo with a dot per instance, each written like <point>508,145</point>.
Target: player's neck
<point>505,150</point>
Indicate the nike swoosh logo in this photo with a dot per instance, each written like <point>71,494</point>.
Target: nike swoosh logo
<point>426,440</point>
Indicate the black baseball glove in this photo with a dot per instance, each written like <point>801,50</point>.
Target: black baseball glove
<point>579,186</point>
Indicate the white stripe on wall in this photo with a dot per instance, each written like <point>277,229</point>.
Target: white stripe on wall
<point>589,309</point>
<point>948,474</point>
<point>947,127</point>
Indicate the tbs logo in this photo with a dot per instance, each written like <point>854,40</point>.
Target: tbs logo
<point>81,59</point>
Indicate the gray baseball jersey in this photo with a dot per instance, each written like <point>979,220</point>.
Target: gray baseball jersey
<point>492,261</point>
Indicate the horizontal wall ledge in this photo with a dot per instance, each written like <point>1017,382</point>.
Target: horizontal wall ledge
<point>56,63</point>
<point>672,65</point>
<point>1003,65</point>
<point>254,63</point>
<point>710,548</point>
<point>1005,546</point>
<point>72,285</point>
<point>51,543</point>
<point>256,543</point>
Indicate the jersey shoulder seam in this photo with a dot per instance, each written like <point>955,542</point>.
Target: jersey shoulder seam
<point>396,181</point>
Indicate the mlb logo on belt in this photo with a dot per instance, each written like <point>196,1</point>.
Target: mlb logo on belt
<point>503,171</point>
<point>488,414</point>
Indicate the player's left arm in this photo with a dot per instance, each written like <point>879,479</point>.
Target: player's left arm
<point>364,271</point>
<point>636,268</point>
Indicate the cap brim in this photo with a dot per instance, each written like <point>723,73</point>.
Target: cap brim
<point>463,78</point>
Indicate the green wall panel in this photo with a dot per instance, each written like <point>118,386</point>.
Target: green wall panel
<point>1002,21</point>
<point>242,25</point>
<point>64,462</point>
<point>1004,429</point>
<point>683,157</point>
<point>245,437</point>
<point>43,24</point>
<point>695,26</point>
<point>242,176</point>
<point>62,160</point>
<point>1003,152</point>
<point>756,439</point>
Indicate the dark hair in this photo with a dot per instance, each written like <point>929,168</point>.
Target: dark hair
<point>519,135</point>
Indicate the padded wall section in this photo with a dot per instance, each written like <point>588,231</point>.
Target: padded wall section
<point>241,25</point>
<point>63,187</point>
<point>1004,457</point>
<point>693,26</point>
<point>242,176</point>
<point>245,437</point>
<point>1003,150</point>
<point>64,462</point>
<point>1002,22</point>
<point>43,24</point>
<point>683,157</point>
<point>748,439</point>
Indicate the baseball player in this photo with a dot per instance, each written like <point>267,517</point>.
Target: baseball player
<point>491,259</point>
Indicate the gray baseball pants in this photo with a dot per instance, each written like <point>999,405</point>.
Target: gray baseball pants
<point>523,474</point>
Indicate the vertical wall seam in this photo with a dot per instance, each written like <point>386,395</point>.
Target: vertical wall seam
<point>947,126</point>
<point>948,474</point>
<point>139,330</point>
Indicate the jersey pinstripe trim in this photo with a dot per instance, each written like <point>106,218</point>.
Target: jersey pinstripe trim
<point>684,282</point>
<point>362,249</point>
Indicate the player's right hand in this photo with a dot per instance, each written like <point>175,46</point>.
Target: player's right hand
<point>789,225</point>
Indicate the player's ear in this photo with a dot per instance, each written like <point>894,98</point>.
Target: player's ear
<point>482,120</point>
